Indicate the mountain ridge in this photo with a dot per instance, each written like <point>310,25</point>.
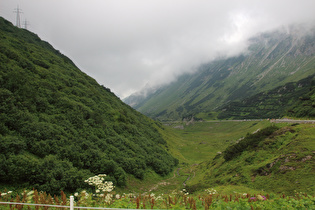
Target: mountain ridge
<point>272,59</point>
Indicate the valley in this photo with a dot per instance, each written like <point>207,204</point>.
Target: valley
<point>196,143</point>
<point>242,125</point>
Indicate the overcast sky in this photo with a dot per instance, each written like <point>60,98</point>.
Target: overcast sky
<point>129,44</point>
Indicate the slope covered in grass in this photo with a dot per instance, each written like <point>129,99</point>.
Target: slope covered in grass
<point>58,126</point>
<point>196,142</point>
<point>275,159</point>
<point>192,144</point>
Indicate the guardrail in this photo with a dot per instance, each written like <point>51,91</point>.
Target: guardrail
<point>71,205</point>
<point>292,121</point>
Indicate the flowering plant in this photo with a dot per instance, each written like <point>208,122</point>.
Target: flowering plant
<point>100,184</point>
<point>211,191</point>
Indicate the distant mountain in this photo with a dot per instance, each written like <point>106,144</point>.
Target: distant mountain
<point>138,99</point>
<point>58,126</point>
<point>272,60</point>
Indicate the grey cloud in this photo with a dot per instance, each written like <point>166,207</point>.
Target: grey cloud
<point>126,45</point>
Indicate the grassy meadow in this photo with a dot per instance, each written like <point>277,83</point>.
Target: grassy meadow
<point>201,141</point>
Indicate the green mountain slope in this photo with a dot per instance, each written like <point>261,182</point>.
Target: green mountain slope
<point>295,99</point>
<point>58,126</point>
<point>275,159</point>
<point>272,60</point>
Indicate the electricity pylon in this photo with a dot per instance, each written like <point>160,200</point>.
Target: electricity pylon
<point>18,11</point>
<point>25,24</point>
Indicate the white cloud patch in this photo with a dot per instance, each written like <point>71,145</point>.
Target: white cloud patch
<point>126,45</point>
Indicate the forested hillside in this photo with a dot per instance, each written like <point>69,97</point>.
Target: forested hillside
<point>59,127</point>
<point>295,99</point>
<point>272,59</point>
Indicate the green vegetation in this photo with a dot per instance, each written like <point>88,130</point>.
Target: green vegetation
<point>250,142</point>
<point>209,199</point>
<point>277,159</point>
<point>58,126</point>
<point>292,99</point>
<point>243,156</point>
<point>196,142</point>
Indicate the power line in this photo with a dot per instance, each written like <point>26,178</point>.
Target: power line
<point>18,11</point>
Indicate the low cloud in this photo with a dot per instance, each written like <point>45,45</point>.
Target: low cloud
<point>127,45</point>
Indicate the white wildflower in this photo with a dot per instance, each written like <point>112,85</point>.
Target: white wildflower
<point>30,193</point>
<point>211,191</point>
<point>98,182</point>
<point>108,198</point>
<point>86,195</point>
<point>159,198</point>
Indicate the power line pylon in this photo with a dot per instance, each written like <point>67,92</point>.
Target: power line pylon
<point>25,24</point>
<point>18,21</point>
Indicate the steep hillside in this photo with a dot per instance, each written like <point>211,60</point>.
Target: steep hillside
<point>59,127</point>
<point>275,159</point>
<point>295,99</point>
<point>272,60</point>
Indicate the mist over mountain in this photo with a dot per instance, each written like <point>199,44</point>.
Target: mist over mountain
<point>126,45</point>
<point>271,60</point>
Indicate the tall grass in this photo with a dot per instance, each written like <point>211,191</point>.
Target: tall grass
<point>210,199</point>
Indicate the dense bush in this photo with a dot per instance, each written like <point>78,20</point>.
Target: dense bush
<point>251,141</point>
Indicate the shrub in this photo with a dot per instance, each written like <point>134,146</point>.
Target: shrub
<point>251,141</point>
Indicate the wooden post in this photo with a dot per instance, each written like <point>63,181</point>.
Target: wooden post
<point>71,202</point>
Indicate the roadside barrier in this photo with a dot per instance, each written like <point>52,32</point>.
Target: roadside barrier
<point>71,205</point>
